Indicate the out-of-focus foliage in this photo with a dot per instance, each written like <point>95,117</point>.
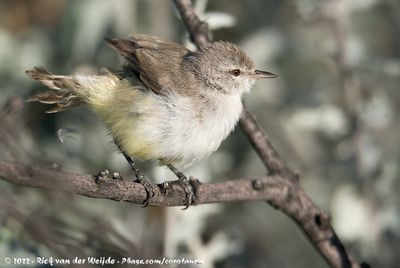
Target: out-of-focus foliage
<point>331,115</point>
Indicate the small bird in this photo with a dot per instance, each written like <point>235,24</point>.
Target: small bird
<point>166,103</point>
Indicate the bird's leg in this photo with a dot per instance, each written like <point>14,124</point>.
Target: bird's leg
<point>184,182</point>
<point>148,186</point>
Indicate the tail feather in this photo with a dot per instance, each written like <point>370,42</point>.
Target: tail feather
<point>62,94</point>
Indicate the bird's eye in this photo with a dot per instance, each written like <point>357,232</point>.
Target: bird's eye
<point>235,72</point>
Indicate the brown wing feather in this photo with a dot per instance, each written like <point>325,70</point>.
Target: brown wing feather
<point>153,60</point>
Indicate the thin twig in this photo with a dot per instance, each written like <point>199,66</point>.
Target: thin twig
<point>197,29</point>
<point>262,144</point>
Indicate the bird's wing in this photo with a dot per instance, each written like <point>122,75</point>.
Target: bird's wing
<point>157,62</point>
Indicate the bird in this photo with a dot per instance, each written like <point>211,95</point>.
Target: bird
<point>165,103</point>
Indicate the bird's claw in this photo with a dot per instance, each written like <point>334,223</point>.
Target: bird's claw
<point>188,188</point>
<point>148,186</point>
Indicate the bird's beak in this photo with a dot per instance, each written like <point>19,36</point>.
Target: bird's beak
<point>263,74</point>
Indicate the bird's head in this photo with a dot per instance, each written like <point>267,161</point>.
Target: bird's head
<point>225,67</point>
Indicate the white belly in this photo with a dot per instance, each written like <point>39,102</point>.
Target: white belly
<point>191,132</point>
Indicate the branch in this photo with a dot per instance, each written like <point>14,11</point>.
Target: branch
<point>197,29</point>
<point>263,146</point>
<point>258,188</point>
<point>313,222</point>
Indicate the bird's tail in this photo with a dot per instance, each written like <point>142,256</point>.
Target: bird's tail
<point>62,94</point>
<point>67,91</point>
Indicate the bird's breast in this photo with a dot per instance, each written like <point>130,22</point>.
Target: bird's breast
<point>195,127</point>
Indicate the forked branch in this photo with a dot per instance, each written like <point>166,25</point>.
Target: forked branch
<point>313,222</point>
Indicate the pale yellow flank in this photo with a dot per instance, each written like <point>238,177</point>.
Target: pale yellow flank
<point>122,107</point>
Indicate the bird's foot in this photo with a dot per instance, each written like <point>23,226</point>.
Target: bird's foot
<point>186,184</point>
<point>187,187</point>
<point>140,178</point>
<point>148,186</point>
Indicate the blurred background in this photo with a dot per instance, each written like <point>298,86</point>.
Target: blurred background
<point>331,114</point>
